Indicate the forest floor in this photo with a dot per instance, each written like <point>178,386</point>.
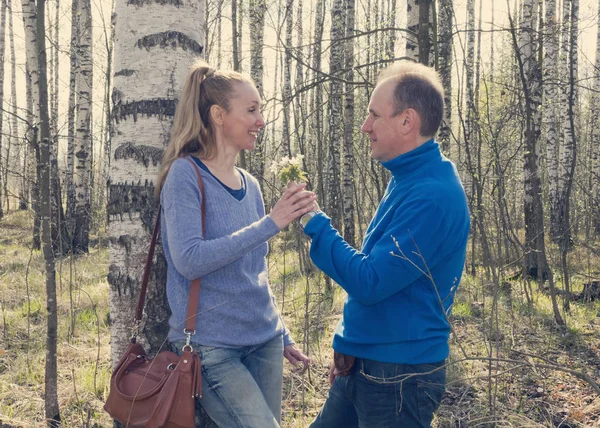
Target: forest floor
<point>510,367</point>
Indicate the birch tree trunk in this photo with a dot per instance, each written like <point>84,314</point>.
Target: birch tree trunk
<point>234,36</point>
<point>412,24</point>
<point>155,43</point>
<point>531,74</point>
<point>568,146</point>
<point>391,40</point>
<point>348,172</point>
<point>535,261</point>
<point>3,8</point>
<point>18,146</point>
<point>285,149</point>
<point>318,127</point>
<point>596,135</point>
<point>71,112</point>
<point>256,11</point>
<point>419,21</point>
<point>50,375</point>
<point>336,63</point>
<point>445,20</point>
<point>29,23</point>
<point>551,94</point>
<point>83,144</point>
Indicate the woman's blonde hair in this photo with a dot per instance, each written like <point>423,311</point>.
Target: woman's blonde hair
<point>192,131</point>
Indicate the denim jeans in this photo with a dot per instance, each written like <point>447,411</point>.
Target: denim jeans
<point>384,395</point>
<point>241,387</point>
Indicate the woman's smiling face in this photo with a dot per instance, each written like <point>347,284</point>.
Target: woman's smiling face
<point>243,122</point>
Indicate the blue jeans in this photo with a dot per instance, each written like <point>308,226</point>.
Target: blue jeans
<point>384,395</point>
<point>242,387</point>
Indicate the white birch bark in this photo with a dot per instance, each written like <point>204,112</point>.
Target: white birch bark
<point>286,149</point>
<point>71,109</point>
<point>412,24</point>
<point>445,19</point>
<point>2,62</point>
<point>336,63</point>
<point>317,130</point>
<point>568,143</point>
<point>535,258</point>
<point>348,171</point>
<point>551,93</point>
<point>28,9</point>
<point>16,144</point>
<point>256,11</point>
<point>596,133</point>
<point>83,141</point>
<point>155,43</point>
<point>563,75</point>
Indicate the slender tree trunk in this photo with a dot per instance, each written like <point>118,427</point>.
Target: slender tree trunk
<point>412,24</point>
<point>536,264</point>
<point>425,32</point>
<point>83,146</point>
<point>50,378</point>
<point>569,152</point>
<point>348,173</point>
<point>596,136</point>
<point>568,149</point>
<point>234,36</point>
<point>71,112</point>
<point>391,40</point>
<point>336,63</point>
<point>29,22</point>
<point>551,92</point>
<point>3,8</point>
<point>59,233</point>
<point>318,127</point>
<point>256,11</point>
<point>445,20</point>
<point>286,149</point>
<point>19,149</point>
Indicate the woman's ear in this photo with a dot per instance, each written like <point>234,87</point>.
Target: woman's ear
<point>216,114</point>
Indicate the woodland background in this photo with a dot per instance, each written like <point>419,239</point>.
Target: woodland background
<point>88,92</point>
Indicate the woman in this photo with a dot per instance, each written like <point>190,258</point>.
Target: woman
<point>240,335</point>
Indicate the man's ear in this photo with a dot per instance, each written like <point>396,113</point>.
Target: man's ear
<point>216,114</point>
<point>410,119</point>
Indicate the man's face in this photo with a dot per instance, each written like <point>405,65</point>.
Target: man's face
<point>382,125</point>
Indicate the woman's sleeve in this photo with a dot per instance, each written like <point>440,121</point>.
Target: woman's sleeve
<point>194,256</point>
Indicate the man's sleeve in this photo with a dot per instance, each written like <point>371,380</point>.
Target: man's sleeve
<point>406,250</point>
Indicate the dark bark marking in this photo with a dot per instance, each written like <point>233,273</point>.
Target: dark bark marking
<point>157,107</point>
<point>170,38</point>
<point>141,153</point>
<point>124,72</point>
<point>133,198</point>
<point>175,3</point>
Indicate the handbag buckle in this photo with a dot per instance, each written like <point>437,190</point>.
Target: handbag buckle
<point>188,339</point>
<point>135,330</point>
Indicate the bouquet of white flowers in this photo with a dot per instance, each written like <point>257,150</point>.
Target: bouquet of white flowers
<point>289,169</point>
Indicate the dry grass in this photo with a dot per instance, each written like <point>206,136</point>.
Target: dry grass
<point>523,393</point>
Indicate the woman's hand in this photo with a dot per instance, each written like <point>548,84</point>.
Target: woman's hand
<point>294,202</point>
<point>296,357</point>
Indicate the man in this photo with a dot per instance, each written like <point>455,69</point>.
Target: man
<point>392,342</point>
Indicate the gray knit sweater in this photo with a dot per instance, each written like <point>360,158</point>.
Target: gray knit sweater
<point>236,305</point>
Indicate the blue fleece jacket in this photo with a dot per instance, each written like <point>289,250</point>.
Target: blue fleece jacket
<point>409,266</point>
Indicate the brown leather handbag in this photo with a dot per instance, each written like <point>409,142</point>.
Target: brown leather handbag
<point>158,392</point>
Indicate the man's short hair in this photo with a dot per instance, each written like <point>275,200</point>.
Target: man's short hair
<point>418,87</point>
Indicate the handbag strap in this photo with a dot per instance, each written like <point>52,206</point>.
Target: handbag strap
<point>192,308</point>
